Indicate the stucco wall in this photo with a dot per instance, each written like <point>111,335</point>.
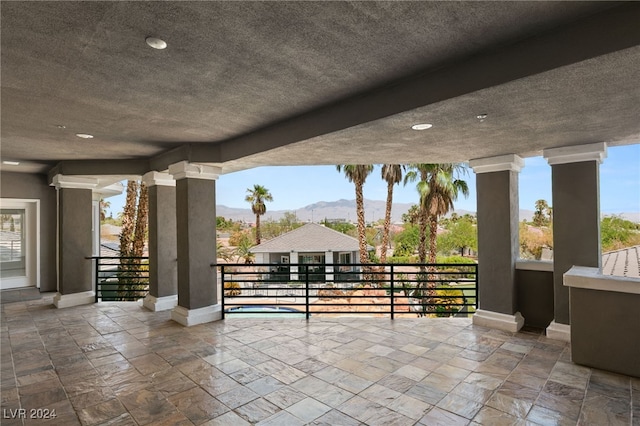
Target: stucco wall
<point>534,288</point>
<point>604,330</point>
<point>35,187</point>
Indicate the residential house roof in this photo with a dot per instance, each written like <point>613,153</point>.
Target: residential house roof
<point>624,262</point>
<point>309,238</point>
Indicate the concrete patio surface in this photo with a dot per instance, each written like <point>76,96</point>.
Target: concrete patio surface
<point>120,364</point>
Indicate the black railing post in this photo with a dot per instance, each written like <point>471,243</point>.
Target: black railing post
<point>97,270</point>
<point>222,288</point>
<point>393,293</point>
<point>476,285</point>
<point>306,286</point>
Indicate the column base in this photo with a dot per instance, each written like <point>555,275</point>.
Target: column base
<point>160,303</point>
<point>496,320</point>
<point>558,331</point>
<point>189,317</point>
<point>74,299</point>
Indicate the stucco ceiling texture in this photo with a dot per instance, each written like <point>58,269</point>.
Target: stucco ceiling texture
<point>244,84</point>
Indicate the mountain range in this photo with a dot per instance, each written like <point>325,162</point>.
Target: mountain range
<point>341,210</point>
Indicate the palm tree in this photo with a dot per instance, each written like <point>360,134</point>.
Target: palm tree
<point>438,187</point>
<point>142,218</point>
<point>392,173</point>
<point>257,197</point>
<point>104,205</point>
<point>419,171</point>
<point>132,238</point>
<point>357,173</point>
<point>128,219</point>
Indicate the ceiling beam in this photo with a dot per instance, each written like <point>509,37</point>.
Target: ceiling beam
<point>610,31</point>
<point>594,36</point>
<point>99,168</point>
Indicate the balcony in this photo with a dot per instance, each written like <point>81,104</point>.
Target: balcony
<point>118,363</point>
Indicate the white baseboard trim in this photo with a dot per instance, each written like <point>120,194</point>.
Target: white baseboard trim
<point>74,299</point>
<point>189,317</point>
<point>157,304</point>
<point>558,331</point>
<point>499,321</point>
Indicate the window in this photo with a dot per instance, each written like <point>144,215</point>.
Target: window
<point>345,259</point>
<point>12,243</point>
<point>19,243</point>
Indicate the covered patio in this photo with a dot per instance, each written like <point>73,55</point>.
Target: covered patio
<point>88,101</point>
<point>118,363</point>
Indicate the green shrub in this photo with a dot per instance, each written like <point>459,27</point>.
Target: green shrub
<point>455,259</point>
<point>402,259</point>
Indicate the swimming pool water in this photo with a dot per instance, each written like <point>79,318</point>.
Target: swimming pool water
<point>264,312</point>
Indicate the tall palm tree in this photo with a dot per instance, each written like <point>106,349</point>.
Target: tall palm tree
<point>420,172</point>
<point>357,174</point>
<point>438,187</point>
<point>128,219</point>
<point>392,173</point>
<point>142,218</point>
<point>257,197</point>
<point>439,194</point>
<point>104,205</point>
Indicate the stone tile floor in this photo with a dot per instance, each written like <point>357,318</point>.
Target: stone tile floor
<point>119,364</point>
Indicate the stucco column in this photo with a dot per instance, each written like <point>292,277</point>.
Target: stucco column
<point>576,221</point>
<point>74,240</point>
<point>498,247</point>
<point>293,270</point>
<point>328,260</point>
<point>196,243</point>
<point>163,248</point>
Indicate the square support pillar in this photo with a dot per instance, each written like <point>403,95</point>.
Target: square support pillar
<point>293,270</point>
<point>328,260</point>
<point>498,246</point>
<point>74,241</point>
<point>196,243</point>
<point>163,247</point>
<point>576,221</point>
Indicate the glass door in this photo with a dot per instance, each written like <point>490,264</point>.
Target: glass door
<point>13,243</point>
<point>19,243</point>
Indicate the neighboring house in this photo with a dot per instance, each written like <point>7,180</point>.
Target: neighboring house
<point>623,263</point>
<point>312,245</point>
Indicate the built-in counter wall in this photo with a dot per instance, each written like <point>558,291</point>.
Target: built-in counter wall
<point>605,320</point>
<point>36,187</point>
<point>534,290</point>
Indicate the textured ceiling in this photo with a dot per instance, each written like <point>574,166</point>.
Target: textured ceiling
<point>246,84</point>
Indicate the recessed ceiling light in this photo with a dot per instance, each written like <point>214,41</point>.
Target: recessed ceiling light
<point>156,43</point>
<point>84,135</point>
<point>422,126</point>
<point>11,163</point>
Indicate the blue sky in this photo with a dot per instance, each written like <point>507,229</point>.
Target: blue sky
<point>294,187</point>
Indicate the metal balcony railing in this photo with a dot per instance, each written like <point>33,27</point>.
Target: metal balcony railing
<point>444,289</point>
<point>120,278</point>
